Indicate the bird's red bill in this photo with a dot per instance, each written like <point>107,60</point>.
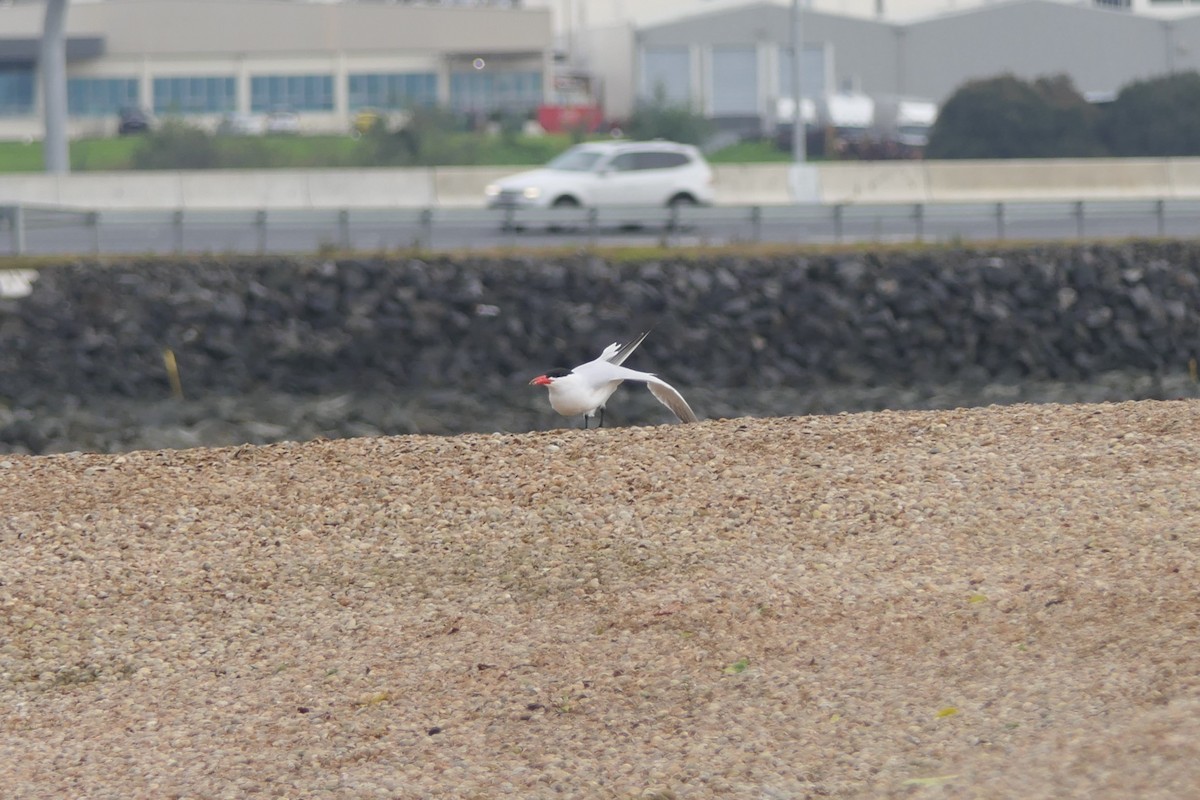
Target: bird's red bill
<point>540,380</point>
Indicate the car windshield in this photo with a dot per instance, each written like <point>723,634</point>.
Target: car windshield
<point>575,161</point>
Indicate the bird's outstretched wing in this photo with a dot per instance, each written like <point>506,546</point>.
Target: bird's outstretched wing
<point>601,372</point>
<point>672,399</point>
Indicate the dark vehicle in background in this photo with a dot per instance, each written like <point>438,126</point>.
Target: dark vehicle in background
<point>132,120</point>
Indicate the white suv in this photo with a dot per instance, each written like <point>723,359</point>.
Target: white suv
<point>599,174</point>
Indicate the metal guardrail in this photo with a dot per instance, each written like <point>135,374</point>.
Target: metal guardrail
<point>53,230</point>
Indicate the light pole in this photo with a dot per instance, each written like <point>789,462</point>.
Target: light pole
<point>798,143</point>
<point>1169,37</point>
<point>53,66</point>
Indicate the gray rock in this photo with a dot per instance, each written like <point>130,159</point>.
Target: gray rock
<point>296,344</point>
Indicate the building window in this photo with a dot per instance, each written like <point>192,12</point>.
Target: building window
<point>667,74</point>
<point>194,95</point>
<point>16,91</point>
<point>296,92</point>
<point>494,91</point>
<point>813,78</point>
<point>92,97</point>
<point>734,81</point>
<point>393,90</point>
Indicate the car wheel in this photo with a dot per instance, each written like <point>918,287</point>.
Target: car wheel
<point>564,202</point>
<point>676,204</point>
<point>682,201</point>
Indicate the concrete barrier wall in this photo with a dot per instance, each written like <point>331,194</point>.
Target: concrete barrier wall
<point>462,187</point>
<point>243,189</point>
<point>307,189</point>
<point>873,182</point>
<point>752,184</point>
<point>861,183</point>
<point>225,189</point>
<point>1184,176</point>
<point>95,190</point>
<point>866,182</point>
<point>30,188</point>
<point>1047,179</point>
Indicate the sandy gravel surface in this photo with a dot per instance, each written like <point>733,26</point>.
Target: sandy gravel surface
<point>996,602</point>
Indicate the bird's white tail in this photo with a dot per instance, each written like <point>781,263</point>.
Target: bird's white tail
<point>616,353</point>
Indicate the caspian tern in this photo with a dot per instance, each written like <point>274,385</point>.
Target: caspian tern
<point>585,389</point>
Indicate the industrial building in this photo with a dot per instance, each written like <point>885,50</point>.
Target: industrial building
<point>205,59</point>
<point>730,60</point>
<point>736,62</point>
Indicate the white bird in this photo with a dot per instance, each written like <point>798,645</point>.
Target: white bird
<point>585,389</point>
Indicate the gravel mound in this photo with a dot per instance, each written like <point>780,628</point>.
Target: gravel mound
<point>993,602</point>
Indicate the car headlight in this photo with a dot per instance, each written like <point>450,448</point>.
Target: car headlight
<point>531,192</point>
<point>491,190</point>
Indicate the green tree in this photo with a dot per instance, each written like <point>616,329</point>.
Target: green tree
<point>1156,117</point>
<point>1006,117</point>
<point>176,145</point>
<point>426,137</point>
<point>1074,122</point>
<point>662,119</point>
<point>380,146</point>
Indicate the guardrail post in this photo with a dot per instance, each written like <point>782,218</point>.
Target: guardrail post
<point>1160,216</point>
<point>1078,212</point>
<point>756,223</point>
<point>92,220</point>
<point>426,234</point>
<point>260,229</point>
<point>919,221</point>
<point>16,218</point>
<point>838,210</point>
<point>177,229</point>
<point>1000,221</point>
<point>11,215</point>
<point>344,229</point>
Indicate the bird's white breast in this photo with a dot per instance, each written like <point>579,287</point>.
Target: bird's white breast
<point>573,395</point>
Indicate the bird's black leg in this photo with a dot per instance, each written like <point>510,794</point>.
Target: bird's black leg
<point>585,422</point>
<point>601,425</point>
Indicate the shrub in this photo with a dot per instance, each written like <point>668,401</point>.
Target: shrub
<point>176,145</point>
<point>1156,117</point>
<point>1006,117</point>
<point>661,119</point>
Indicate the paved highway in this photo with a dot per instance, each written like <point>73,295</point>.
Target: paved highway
<point>48,231</point>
